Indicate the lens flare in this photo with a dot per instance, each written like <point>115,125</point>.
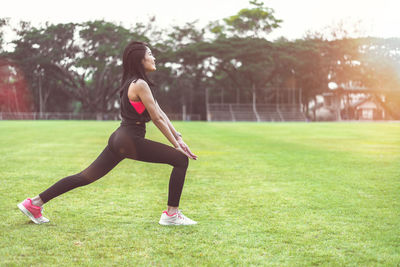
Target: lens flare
<point>14,94</point>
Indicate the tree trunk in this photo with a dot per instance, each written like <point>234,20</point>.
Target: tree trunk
<point>99,116</point>
<point>315,108</point>
<point>254,96</point>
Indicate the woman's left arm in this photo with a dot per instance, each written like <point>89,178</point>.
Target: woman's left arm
<point>176,134</point>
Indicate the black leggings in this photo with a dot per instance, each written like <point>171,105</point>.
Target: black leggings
<point>127,142</point>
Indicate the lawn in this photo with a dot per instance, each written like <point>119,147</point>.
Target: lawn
<point>270,194</point>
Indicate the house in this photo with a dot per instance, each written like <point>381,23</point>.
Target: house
<point>369,109</point>
<point>352,104</point>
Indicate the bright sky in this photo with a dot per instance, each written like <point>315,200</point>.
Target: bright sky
<point>379,18</point>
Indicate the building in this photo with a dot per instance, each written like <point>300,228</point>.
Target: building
<point>369,109</point>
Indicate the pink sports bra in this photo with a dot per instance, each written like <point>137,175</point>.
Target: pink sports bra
<point>138,106</point>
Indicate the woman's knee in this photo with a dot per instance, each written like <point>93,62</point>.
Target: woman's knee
<point>183,161</point>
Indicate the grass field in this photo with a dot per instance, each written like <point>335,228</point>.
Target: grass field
<point>275,194</point>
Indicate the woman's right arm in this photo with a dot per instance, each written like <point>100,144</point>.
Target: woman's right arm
<point>143,91</point>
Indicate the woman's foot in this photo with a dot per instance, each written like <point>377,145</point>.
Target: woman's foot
<point>37,201</point>
<point>33,212</point>
<point>175,219</point>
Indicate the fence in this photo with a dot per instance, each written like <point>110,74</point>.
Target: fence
<point>216,112</point>
<point>247,112</point>
<point>80,116</point>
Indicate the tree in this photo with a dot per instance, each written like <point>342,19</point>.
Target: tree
<point>97,76</point>
<point>185,59</point>
<point>40,53</point>
<point>311,69</point>
<point>253,22</point>
<point>85,69</point>
<point>3,22</point>
<point>244,55</point>
<point>379,67</point>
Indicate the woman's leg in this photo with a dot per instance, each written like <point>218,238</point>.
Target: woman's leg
<point>151,151</point>
<point>123,145</point>
<point>139,148</point>
<point>104,163</point>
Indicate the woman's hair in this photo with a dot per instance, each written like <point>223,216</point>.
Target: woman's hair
<point>132,62</point>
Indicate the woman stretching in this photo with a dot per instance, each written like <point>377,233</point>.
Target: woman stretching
<point>137,107</point>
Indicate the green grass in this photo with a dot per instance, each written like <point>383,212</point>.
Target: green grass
<point>276,194</point>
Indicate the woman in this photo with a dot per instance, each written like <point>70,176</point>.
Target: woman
<point>137,107</point>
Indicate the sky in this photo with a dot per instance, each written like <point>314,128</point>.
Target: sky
<point>378,18</point>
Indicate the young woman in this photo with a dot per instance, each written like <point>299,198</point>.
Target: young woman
<point>137,108</point>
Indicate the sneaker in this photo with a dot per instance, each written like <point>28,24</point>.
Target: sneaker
<point>175,219</point>
<point>33,212</point>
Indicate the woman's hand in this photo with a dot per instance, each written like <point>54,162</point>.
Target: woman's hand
<point>184,152</point>
<point>185,149</point>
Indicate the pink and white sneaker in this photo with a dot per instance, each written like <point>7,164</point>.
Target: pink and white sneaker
<point>175,219</point>
<point>33,212</point>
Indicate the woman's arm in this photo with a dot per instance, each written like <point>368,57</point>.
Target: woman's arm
<point>142,89</point>
<point>176,134</point>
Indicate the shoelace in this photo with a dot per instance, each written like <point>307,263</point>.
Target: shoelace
<point>180,215</point>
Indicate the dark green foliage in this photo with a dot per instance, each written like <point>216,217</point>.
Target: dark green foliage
<point>229,58</point>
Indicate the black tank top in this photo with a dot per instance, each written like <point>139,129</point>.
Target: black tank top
<point>129,114</point>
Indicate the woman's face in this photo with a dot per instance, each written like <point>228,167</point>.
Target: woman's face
<point>149,61</point>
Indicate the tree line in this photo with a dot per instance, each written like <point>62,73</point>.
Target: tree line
<point>76,67</point>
